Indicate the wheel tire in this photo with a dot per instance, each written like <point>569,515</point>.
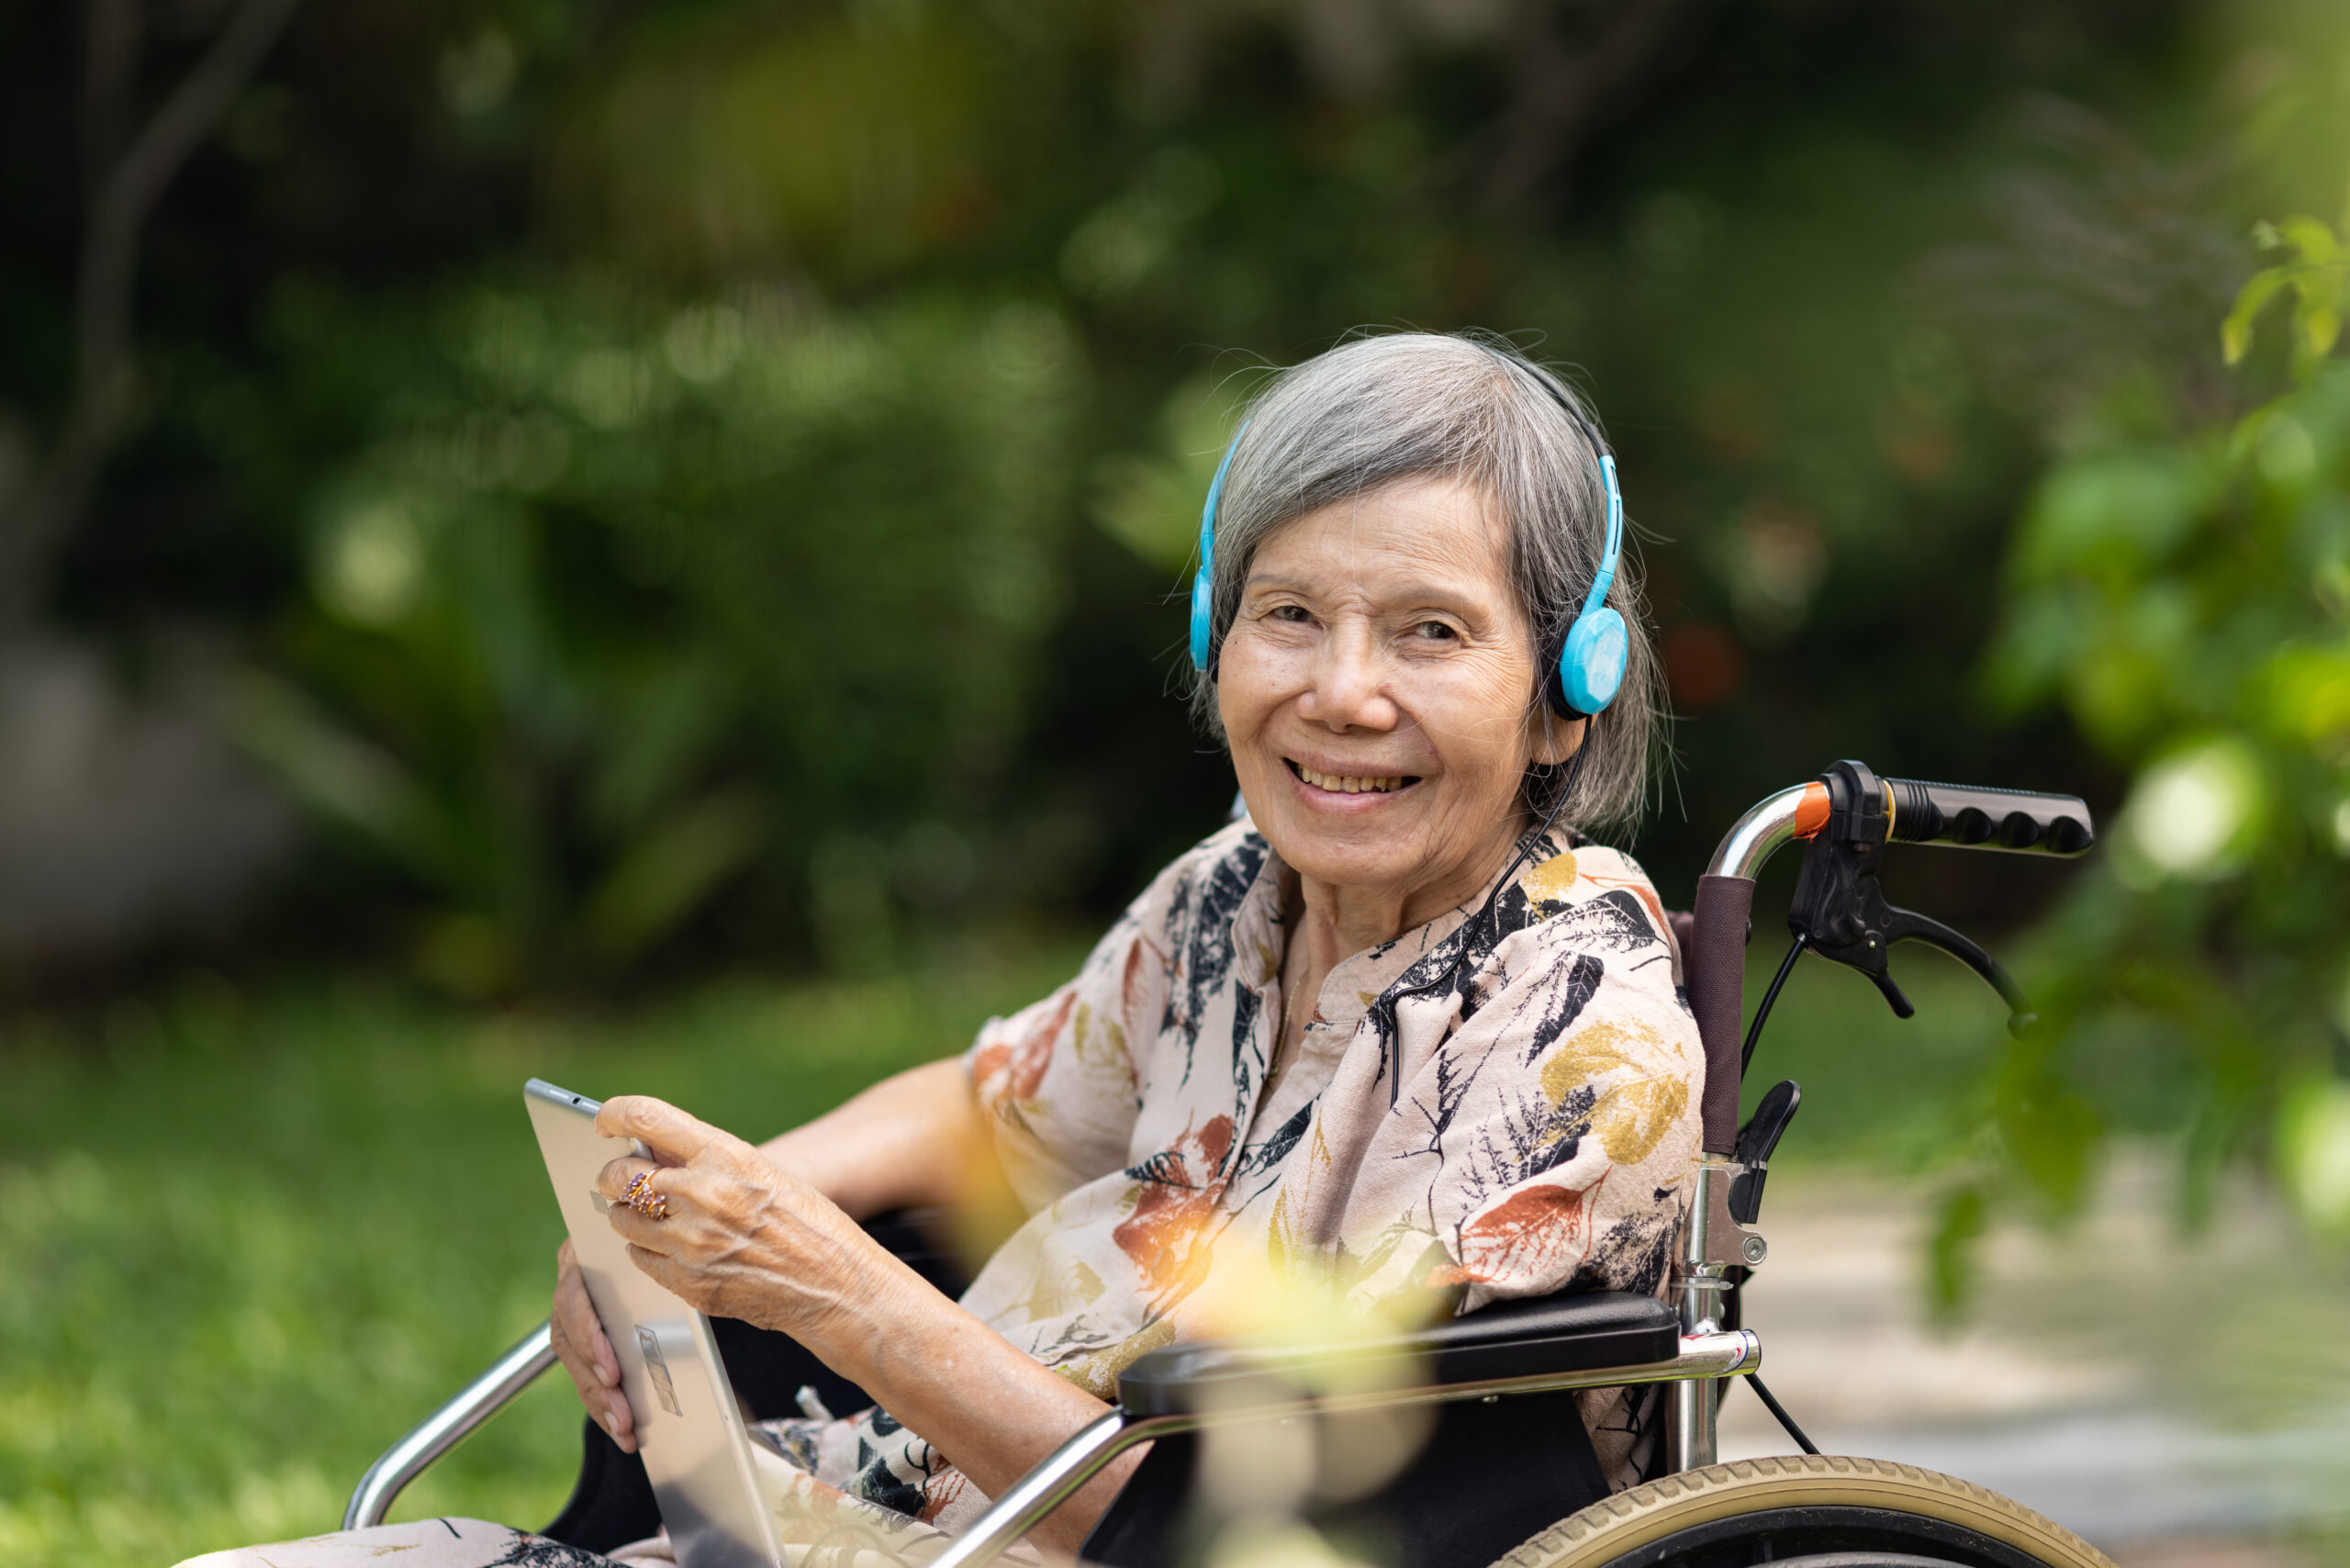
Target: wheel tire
<point>1809,1493</point>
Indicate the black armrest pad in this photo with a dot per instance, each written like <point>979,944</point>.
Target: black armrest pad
<point>1514,1339</point>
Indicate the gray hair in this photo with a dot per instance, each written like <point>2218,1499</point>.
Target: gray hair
<point>1379,409</point>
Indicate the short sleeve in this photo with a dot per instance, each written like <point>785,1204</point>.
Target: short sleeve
<point>1566,1114</point>
<point>1058,1081</point>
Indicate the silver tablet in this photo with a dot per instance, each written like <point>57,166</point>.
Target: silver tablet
<point>689,1428</point>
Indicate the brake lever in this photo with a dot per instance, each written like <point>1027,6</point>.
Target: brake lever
<point>1902,1006</point>
<point>1839,908</point>
<point>1909,926</point>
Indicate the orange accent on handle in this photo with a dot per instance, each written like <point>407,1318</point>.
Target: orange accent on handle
<point>1811,811</point>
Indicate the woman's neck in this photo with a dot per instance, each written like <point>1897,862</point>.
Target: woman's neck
<point>1344,920</point>
<point>1332,922</point>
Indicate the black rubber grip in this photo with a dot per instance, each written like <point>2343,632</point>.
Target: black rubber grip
<point>1974,816</point>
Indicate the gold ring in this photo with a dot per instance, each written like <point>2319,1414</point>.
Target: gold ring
<point>641,1197</point>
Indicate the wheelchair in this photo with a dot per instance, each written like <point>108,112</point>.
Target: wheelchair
<point>1816,1510</point>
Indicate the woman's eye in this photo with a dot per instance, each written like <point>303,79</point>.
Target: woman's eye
<point>1294,613</point>
<point>1436,630</point>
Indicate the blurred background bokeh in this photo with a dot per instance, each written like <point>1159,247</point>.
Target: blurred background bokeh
<point>639,541</point>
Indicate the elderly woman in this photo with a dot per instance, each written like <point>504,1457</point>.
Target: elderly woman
<point>1394,1034</point>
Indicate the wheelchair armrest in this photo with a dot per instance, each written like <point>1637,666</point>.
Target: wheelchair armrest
<point>1542,1338</point>
<point>509,1375</point>
<point>1584,1340</point>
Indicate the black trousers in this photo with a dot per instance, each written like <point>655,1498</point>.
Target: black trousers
<point>1489,1476</point>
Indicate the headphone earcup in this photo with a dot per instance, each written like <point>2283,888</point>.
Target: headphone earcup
<point>1592,662</point>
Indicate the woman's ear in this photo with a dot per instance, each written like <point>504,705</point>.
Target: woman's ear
<point>1556,740</point>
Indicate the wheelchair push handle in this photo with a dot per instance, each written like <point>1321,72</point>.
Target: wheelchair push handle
<point>1964,816</point>
<point>1843,820</point>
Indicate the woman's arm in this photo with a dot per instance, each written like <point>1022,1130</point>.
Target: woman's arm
<point>750,1237</point>
<point>927,1137</point>
<point>913,1140</point>
<point>993,1413</point>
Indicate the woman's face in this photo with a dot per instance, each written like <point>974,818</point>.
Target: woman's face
<point>1375,689</point>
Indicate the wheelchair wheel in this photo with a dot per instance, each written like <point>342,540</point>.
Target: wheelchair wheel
<point>1821,1511</point>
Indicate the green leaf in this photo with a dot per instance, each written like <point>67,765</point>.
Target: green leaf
<point>2312,237</point>
<point>2196,812</point>
<point>2111,516</point>
<point>1150,506</point>
<point>2050,1131</point>
<point>2235,333</point>
<point>673,870</point>
<point>2304,692</point>
<point>667,719</point>
<point>2319,326</point>
<point>1151,503</point>
<point>2037,641</point>
<point>1950,1256</point>
<point>2313,1151</point>
<point>348,782</point>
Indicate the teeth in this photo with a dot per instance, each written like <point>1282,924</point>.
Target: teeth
<point>1341,784</point>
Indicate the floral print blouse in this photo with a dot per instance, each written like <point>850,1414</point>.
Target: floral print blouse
<point>1485,1108</point>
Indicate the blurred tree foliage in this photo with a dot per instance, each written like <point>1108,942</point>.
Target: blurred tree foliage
<point>709,476</point>
<point>614,600</point>
<point>2179,585</point>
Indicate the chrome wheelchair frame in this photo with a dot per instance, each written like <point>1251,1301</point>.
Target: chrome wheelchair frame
<point>1592,1340</point>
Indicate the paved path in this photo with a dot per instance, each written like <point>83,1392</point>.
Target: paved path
<point>2180,1402</point>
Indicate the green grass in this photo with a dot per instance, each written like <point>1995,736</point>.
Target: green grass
<point>241,1249</point>
<point>248,1245</point>
<point>1885,1092</point>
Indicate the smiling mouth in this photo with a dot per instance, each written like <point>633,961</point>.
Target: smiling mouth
<point>1337,784</point>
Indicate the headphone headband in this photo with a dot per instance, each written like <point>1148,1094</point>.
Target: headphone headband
<point>1604,578</point>
<point>1581,677</point>
<point>1203,580</point>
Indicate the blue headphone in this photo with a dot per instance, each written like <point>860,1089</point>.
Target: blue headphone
<point>1587,666</point>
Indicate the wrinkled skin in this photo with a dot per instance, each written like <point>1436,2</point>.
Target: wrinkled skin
<point>1377,638</point>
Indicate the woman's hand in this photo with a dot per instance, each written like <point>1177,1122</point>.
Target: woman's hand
<point>740,1238</point>
<point>586,1354</point>
<point>744,1237</point>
